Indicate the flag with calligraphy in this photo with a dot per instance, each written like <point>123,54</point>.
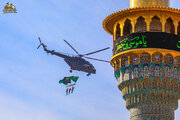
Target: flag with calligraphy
<point>67,80</point>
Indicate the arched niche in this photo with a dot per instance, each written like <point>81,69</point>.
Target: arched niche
<point>156,25</point>
<point>157,58</point>
<point>134,59</point>
<point>124,61</point>
<point>118,31</point>
<point>127,27</point>
<point>177,61</point>
<point>178,29</point>
<point>169,26</point>
<point>141,25</point>
<point>117,64</point>
<point>145,58</point>
<point>168,59</point>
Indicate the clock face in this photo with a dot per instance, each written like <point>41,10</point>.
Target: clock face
<point>147,40</point>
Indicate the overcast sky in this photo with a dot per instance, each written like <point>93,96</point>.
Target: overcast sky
<point>29,88</point>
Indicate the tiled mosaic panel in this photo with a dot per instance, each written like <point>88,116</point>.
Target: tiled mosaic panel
<point>152,112</point>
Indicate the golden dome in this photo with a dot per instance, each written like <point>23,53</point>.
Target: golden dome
<point>12,7</point>
<point>7,7</point>
<point>149,3</point>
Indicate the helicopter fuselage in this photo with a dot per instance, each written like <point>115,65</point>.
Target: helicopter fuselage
<point>80,64</point>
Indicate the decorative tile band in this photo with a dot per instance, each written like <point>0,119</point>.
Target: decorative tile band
<point>152,112</point>
<point>149,83</point>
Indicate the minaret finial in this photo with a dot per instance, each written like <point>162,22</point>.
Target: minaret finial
<point>149,3</point>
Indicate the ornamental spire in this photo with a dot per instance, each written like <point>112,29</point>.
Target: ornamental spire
<point>149,3</point>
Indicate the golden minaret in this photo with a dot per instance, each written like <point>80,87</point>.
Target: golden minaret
<point>146,57</point>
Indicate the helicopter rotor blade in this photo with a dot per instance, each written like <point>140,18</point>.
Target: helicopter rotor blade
<point>39,46</point>
<point>40,43</point>
<point>97,59</point>
<point>39,39</point>
<point>96,51</point>
<point>72,47</point>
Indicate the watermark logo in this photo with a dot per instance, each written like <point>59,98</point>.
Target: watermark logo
<point>9,8</point>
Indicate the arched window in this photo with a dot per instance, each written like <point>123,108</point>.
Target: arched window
<point>140,25</point>
<point>169,26</point>
<point>135,73</point>
<point>126,75</point>
<point>118,31</point>
<point>178,29</point>
<point>166,71</point>
<point>155,25</point>
<point>157,71</point>
<point>127,27</point>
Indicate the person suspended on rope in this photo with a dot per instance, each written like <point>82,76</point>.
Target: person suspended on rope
<point>69,82</point>
<point>67,91</point>
<point>72,89</point>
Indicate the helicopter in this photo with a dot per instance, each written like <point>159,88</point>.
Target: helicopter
<point>76,62</point>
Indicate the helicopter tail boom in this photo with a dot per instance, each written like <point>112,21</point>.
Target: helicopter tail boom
<point>40,43</point>
<point>52,52</point>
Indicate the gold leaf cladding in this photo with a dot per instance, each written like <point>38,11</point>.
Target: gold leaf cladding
<point>149,3</point>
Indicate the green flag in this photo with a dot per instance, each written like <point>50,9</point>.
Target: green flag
<point>61,81</point>
<point>74,78</point>
<point>65,80</point>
